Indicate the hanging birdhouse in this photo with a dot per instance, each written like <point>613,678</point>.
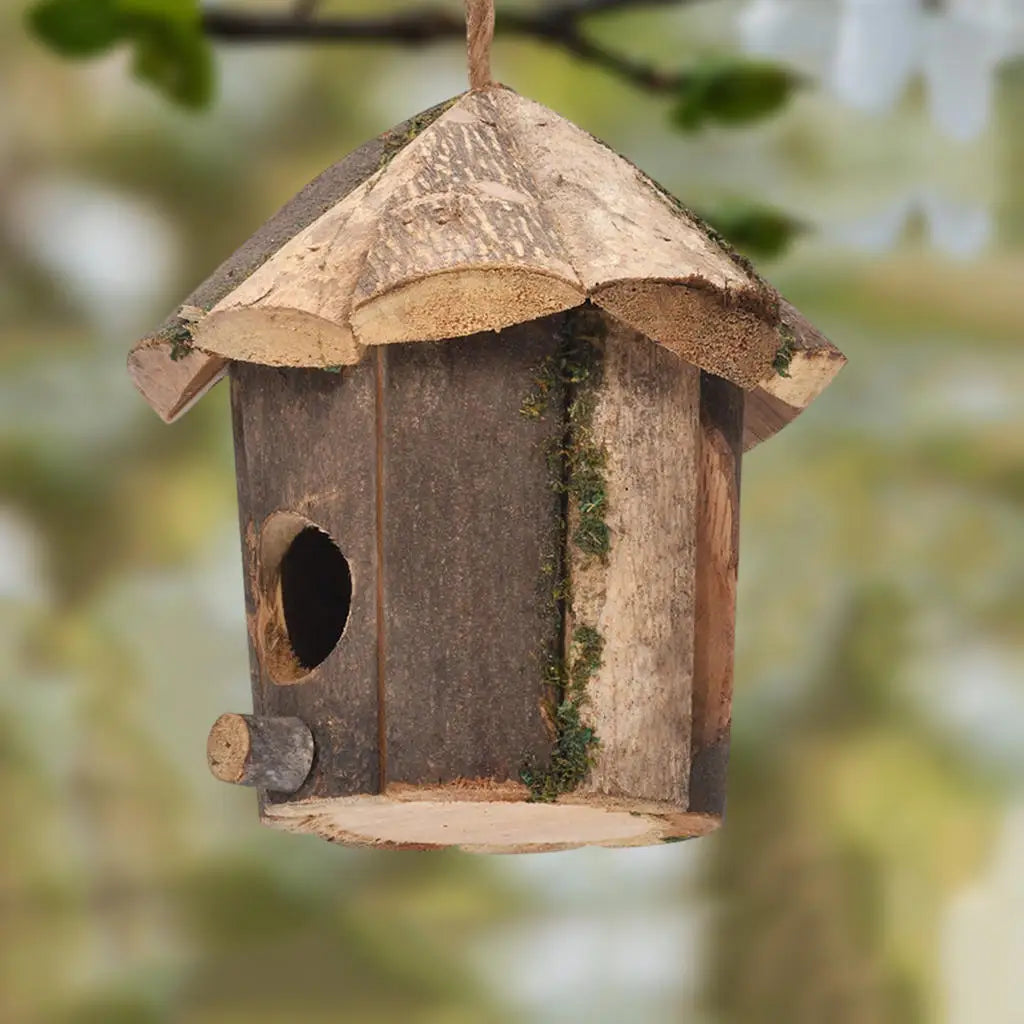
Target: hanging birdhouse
<point>491,386</point>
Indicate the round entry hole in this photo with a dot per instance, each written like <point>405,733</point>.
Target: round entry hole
<point>309,588</point>
<point>316,594</point>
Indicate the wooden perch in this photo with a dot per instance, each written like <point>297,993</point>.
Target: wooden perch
<point>272,753</point>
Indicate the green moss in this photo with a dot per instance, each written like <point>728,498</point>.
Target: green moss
<point>585,658</point>
<point>570,759</point>
<point>180,338</point>
<point>547,387</point>
<point>787,349</point>
<point>587,487</point>
<point>573,752</point>
<point>568,381</point>
<point>570,378</point>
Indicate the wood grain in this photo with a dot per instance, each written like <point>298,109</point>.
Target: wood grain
<point>718,524</point>
<point>497,213</point>
<point>306,445</point>
<point>779,399</point>
<point>641,599</point>
<point>464,242</point>
<point>470,518</point>
<point>616,224</point>
<point>172,387</point>
<point>294,310</point>
<point>476,216</point>
<point>486,819</point>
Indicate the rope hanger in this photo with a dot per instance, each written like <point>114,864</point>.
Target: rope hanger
<point>479,36</point>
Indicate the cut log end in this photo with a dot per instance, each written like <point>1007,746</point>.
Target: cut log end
<point>700,324</point>
<point>807,376</point>
<point>814,363</point>
<point>277,337</point>
<point>486,820</point>
<point>172,386</point>
<point>462,303</point>
<point>271,753</point>
<point>228,748</point>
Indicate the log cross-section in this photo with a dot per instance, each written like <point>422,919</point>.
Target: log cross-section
<point>271,753</point>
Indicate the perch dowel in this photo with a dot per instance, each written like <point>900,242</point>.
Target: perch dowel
<point>250,750</point>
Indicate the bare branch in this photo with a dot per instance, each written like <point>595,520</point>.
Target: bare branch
<point>559,25</point>
<point>413,27</point>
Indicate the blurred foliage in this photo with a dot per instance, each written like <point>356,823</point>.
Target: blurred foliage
<point>732,92</point>
<point>820,888</point>
<point>756,230</point>
<point>172,55</point>
<point>880,592</point>
<point>170,50</point>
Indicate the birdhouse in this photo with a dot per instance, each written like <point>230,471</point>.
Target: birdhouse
<point>491,387</point>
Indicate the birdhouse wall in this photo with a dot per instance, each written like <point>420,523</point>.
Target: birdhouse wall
<point>639,595</point>
<point>540,519</point>
<point>421,468</point>
<point>469,522</point>
<point>718,534</point>
<point>306,446</point>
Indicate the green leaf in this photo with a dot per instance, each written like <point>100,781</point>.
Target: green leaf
<point>177,60</point>
<point>171,52</point>
<point>758,231</point>
<point>77,28</point>
<point>733,93</point>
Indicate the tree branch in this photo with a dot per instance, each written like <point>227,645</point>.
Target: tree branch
<point>559,25</point>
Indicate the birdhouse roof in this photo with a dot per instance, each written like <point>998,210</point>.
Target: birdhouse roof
<point>485,212</point>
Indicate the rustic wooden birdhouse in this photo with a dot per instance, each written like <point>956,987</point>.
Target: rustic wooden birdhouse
<point>491,387</point>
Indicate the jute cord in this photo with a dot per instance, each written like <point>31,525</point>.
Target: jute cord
<point>480,35</point>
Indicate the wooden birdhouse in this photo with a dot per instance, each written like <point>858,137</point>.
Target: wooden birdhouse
<point>491,387</point>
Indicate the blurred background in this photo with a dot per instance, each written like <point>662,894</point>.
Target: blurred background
<point>871,868</point>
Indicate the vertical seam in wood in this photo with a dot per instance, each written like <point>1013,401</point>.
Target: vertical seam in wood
<point>382,736</point>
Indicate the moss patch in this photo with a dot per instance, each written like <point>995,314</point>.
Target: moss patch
<point>787,349</point>
<point>570,379</point>
<point>568,382</point>
<point>572,754</point>
<point>180,338</point>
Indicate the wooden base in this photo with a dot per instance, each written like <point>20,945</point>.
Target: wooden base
<point>486,819</point>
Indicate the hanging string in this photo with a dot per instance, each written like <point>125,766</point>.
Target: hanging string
<point>480,35</point>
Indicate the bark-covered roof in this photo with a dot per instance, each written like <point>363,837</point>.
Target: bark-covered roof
<point>480,213</point>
